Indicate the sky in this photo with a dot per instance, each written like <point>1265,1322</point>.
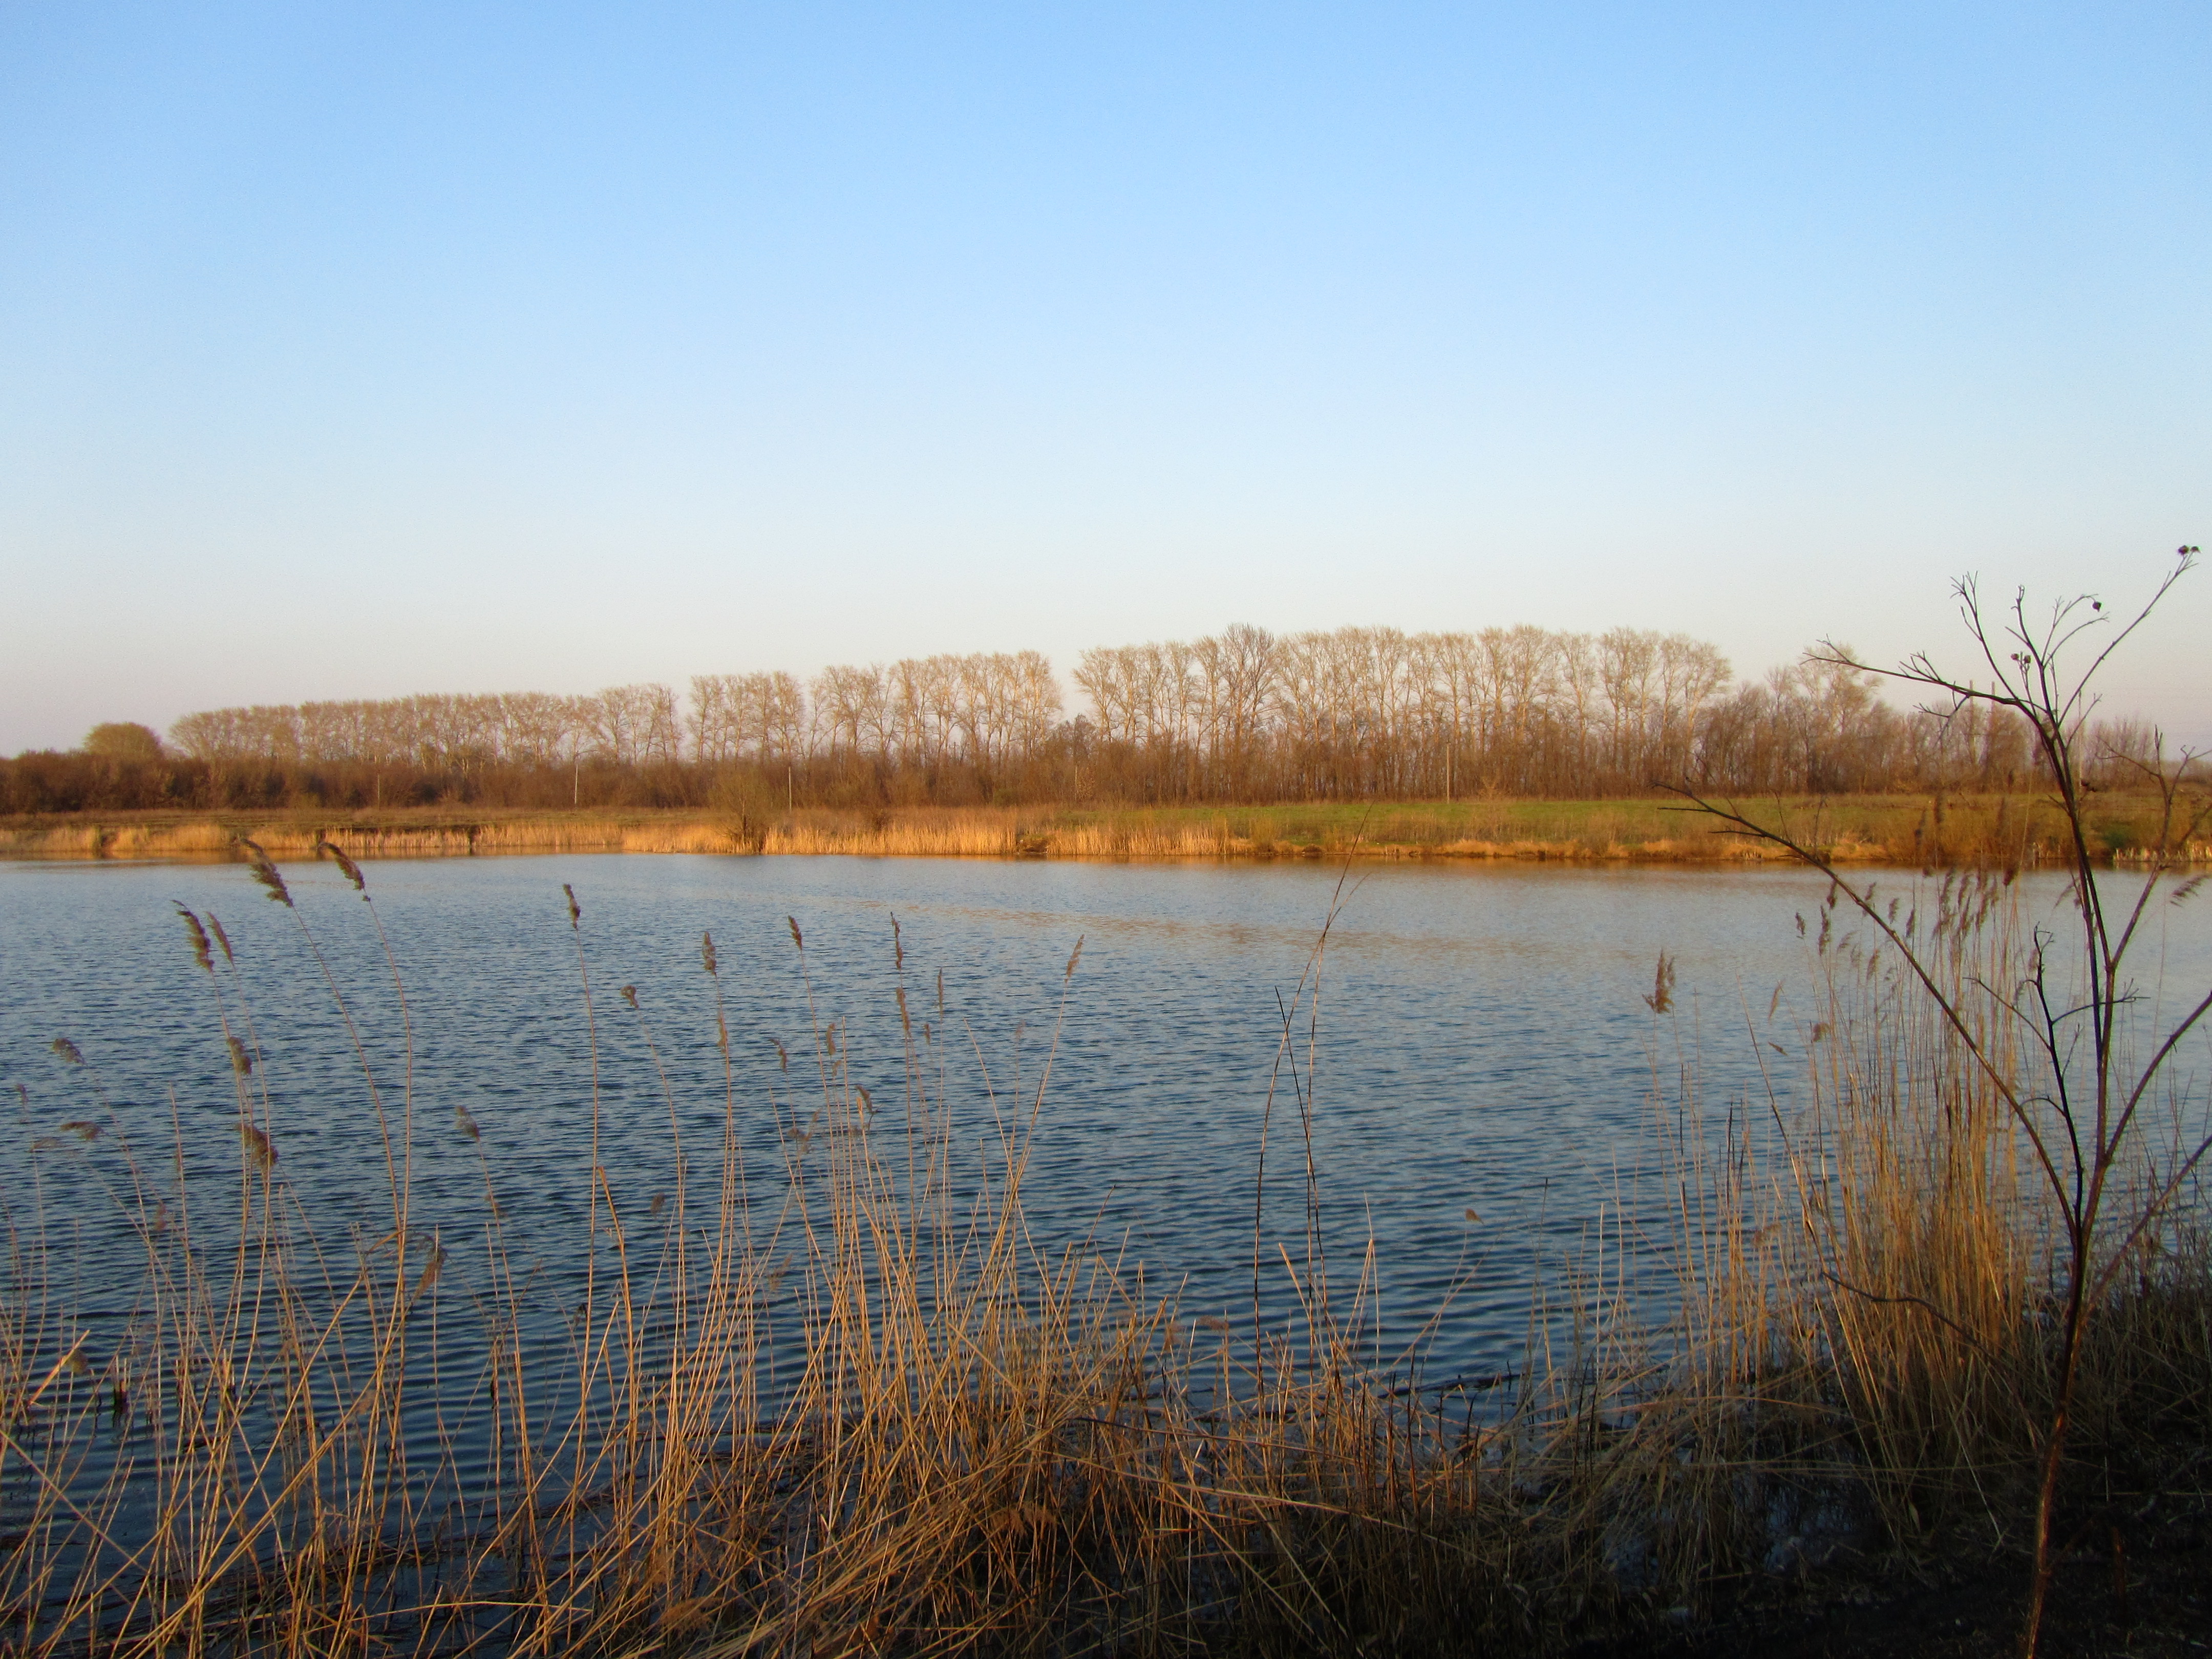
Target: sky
<point>353,350</point>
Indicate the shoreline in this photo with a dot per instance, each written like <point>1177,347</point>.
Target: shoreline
<point>1925,831</point>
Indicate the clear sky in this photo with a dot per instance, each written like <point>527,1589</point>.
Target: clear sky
<point>355,351</point>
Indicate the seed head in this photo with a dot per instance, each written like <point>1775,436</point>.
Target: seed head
<point>241,1062</point>
<point>431,1269</point>
<point>352,869</point>
<point>575,910</point>
<point>264,872</point>
<point>198,936</point>
<point>259,1151</point>
<point>706,954</point>
<point>69,1051</point>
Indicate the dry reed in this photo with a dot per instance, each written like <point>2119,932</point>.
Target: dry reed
<point>873,1415</point>
<point>1922,832</point>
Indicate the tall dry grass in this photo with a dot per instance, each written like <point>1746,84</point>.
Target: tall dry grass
<point>869,1410</point>
<point>1868,1340</point>
<point>2000,832</point>
<point>846,1401</point>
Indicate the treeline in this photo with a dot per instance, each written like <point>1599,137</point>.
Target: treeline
<point>1241,716</point>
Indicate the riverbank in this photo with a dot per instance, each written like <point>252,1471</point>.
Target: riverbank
<point>1904,829</point>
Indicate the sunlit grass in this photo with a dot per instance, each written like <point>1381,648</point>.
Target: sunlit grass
<point>1919,831</point>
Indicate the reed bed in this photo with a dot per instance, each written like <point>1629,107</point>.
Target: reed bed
<point>1919,831</point>
<point>846,1402</point>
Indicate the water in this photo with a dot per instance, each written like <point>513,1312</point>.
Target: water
<point>1489,1086</point>
<point>1483,1045</point>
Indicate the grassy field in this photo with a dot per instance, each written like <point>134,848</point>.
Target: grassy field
<point>1917,831</point>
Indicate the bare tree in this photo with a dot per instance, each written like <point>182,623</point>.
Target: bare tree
<point>2082,1122</point>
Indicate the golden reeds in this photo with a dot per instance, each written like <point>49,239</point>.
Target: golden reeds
<point>846,1403</point>
<point>1998,832</point>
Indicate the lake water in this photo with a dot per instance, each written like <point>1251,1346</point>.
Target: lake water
<point>1482,1044</point>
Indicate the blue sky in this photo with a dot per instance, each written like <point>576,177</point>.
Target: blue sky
<point>348,351</point>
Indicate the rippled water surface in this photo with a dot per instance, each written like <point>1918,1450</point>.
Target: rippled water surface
<point>1483,1044</point>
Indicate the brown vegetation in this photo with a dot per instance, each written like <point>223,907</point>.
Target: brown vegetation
<point>2060,1055</point>
<point>1924,832</point>
<point>1355,714</point>
<point>871,1415</point>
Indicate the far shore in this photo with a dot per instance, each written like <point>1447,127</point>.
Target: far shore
<point>1922,830</point>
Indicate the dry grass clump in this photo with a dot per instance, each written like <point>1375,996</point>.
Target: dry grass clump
<point>847,1402</point>
<point>914,832</point>
<point>396,836</point>
<point>2082,1109</point>
<point>1869,1342</point>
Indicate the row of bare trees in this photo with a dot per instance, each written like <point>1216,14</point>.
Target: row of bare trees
<point>986,709</point>
<point>624,725</point>
<point>1375,711</point>
<point>1372,713</point>
<point>1345,714</point>
<point>991,711</point>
